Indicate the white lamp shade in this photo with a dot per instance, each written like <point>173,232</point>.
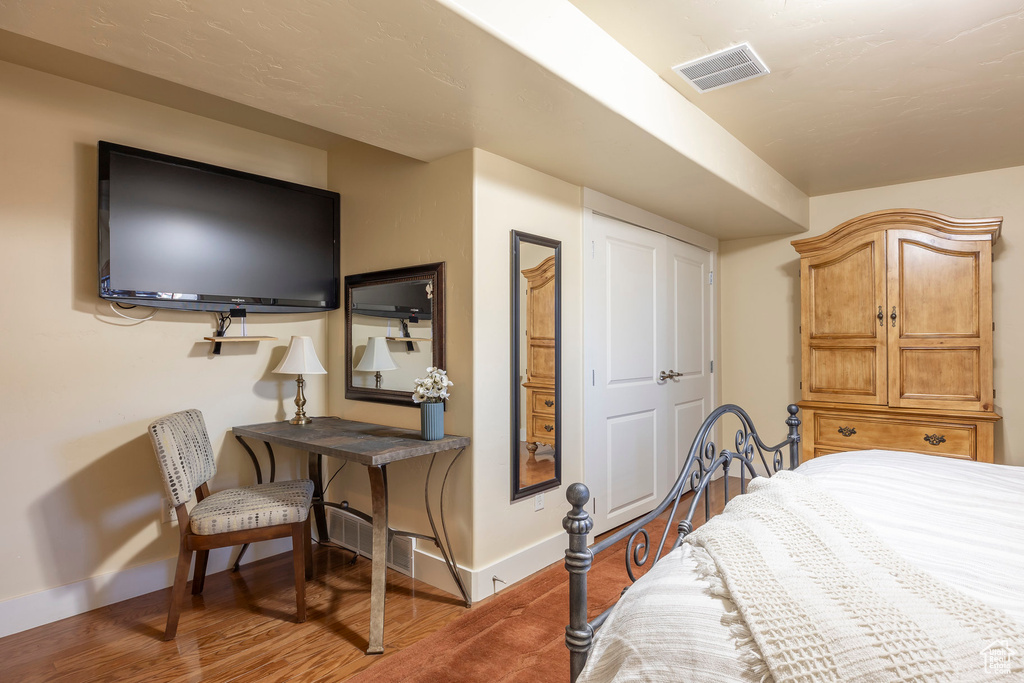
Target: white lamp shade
<point>376,357</point>
<point>301,359</point>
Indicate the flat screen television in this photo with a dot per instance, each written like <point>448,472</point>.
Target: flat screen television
<point>175,233</point>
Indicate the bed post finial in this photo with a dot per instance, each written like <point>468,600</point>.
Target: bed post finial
<point>794,435</point>
<point>578,634</point>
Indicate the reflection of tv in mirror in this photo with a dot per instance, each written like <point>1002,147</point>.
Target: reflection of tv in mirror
<point>400,300</point>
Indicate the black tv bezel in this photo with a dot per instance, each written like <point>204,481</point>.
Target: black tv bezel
<point>204,302</point>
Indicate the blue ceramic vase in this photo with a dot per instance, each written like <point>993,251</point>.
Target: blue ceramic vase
<point>432,421</point>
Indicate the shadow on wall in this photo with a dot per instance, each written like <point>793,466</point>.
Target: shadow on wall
<point>280,388</point>
<point>790,269</point>
<point>83,521</point>
<point>87,518</point>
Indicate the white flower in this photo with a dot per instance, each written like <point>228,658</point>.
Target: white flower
<point>433,388</point>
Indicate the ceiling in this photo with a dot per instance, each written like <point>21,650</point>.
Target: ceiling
<point>862,93</point>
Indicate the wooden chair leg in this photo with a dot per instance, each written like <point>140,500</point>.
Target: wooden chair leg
<point>307,536</point>
<point>178,591</point>
<point>299,560</point>
<point>199,575</point>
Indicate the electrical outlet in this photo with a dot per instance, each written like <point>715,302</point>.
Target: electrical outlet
<point>538,502</point>
<point>167,516</point>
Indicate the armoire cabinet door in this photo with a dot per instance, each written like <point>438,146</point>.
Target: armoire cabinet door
<point>940,340</point>
<point>843,339</point>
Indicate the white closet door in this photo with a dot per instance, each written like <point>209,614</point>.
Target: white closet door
<point>646,310</point>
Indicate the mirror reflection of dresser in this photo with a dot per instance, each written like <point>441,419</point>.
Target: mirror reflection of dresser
<point>536,372</point>
<point>540,356</point>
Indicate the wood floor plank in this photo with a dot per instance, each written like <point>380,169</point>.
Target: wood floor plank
<point>243,629</point>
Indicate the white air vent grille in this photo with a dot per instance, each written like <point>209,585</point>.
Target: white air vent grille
<point>355,534</point>
<point>732,65</point>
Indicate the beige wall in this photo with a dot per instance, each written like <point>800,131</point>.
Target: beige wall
<point>508,196</point>
<point>80,494</point>
<point>761,296</point>
<point>400,212</point>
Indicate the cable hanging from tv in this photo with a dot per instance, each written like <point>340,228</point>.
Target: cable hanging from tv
<point>128,317</point>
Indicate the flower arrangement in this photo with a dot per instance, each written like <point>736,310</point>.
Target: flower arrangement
<point>433,388</point>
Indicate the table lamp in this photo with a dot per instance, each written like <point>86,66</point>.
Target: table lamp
<point>376,357</point>
<point>300,360</point>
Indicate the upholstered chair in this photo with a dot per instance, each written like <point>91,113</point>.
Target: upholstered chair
<point>226,518</point>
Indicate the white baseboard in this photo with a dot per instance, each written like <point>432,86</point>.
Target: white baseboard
<point>430,568</point>
<point>35,609</point>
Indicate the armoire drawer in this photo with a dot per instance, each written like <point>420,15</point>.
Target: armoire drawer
<point>543,402</point>
<point>543,427</point>
<point>855,432</point>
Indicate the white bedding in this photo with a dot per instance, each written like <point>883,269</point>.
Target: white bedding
<point>962,522</point>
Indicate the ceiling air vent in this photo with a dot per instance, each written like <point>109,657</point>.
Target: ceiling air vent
<point>725,67</point>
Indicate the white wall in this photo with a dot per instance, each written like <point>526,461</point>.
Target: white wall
<point>761,296</point>
<point>81,496</point>
<point>508,196</point>
<point>398,212</point>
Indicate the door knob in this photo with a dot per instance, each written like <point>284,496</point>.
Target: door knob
<point>671,374</point>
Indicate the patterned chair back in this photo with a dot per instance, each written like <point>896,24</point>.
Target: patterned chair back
<point>183,452</point>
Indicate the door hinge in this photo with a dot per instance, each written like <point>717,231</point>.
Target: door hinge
<point>993,393</point>
<point>593,378</point>
<point>801,385</point>
<point>799,329</point>
<point>993,325</point>
<point>593,249</point>
<point>711,277</point>
<point>712,366</point>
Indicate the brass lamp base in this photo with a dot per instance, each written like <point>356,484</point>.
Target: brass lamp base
<point>300,402</point>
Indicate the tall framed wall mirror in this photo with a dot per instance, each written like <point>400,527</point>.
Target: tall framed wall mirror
<point>536,364</point>
<point>394,330</point>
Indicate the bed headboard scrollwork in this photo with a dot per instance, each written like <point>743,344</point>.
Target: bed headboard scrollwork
<point>704,461</point>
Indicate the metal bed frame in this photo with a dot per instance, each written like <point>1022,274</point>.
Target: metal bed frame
<point>703,461</point>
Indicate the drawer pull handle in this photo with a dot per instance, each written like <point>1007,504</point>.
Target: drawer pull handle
<point>549,403</point>
<point>935,439</point>
<point>847,431</point>
<point>548,428</point>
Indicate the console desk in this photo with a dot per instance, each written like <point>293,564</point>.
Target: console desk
<point>375,447</point>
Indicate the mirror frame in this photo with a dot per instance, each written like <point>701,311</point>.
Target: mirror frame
<point>520,492</point>
<point>429,271</point>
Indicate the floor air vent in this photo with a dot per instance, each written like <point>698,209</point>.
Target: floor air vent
<point>355,534</point>
<point>732,65</point>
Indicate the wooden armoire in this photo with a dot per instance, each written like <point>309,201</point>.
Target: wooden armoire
<point>896,335</point>
<point>540,355</point>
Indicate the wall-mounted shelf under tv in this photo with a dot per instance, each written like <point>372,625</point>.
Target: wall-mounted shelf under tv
<point>238,339</point>
<point>409,339</point>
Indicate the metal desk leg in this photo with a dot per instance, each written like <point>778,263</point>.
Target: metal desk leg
<point>316,474</point>
<point>259,480</point>
<point>379,496</point>
<point>445,546</point>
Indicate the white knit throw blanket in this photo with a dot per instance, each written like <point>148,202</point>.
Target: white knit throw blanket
<point>820,597</point>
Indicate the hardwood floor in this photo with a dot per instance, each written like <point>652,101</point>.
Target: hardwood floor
<point>241,629</point>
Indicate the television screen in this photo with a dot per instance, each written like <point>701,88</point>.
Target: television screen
<point>400,300</point>
<point>175,233</point>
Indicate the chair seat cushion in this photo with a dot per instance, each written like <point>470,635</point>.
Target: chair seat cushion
<point>252,507</point>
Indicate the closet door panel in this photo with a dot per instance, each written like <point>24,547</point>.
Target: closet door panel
<point>842,338</point>
<point>940,342</point>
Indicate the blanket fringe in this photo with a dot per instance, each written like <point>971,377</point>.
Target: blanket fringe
<point>751,654</point>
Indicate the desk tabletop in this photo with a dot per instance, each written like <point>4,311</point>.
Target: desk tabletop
<point>361,442</point>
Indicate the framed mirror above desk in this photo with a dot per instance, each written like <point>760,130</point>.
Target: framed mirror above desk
<point>394,330</point>
<point>536,365</point>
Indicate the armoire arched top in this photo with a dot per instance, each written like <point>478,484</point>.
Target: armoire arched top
<point>877,221</point>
